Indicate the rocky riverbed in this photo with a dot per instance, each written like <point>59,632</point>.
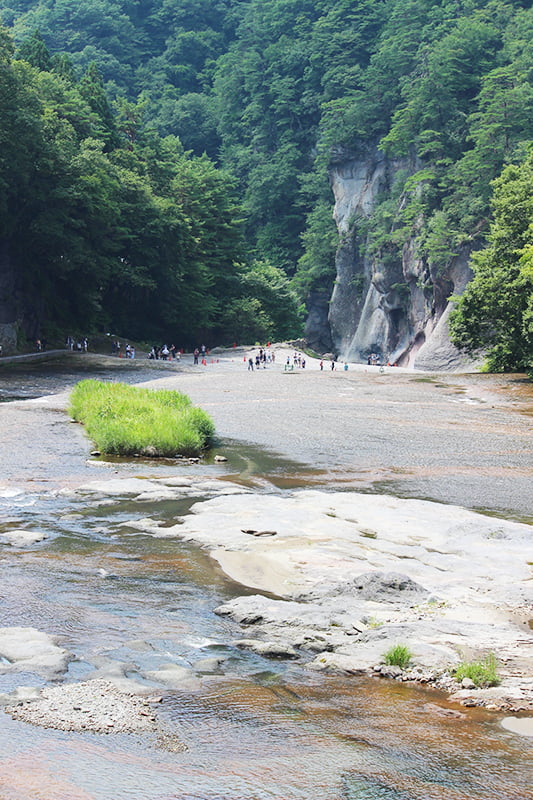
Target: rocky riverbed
<point>340,575</point>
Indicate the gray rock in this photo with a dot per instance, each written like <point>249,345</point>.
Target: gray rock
<point>209,665</point>
<point>268,649</point>
<point>386,587</point>
<point>390,671</point>
<point>397,308</point>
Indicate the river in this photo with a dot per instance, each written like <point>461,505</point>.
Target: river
<point>245,727</point>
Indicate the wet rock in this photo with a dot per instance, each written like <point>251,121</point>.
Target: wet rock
<point>174,676</point>
<point>391,671</point>
<point>19,537</point>
<point>22,694</point>
<point>440,711</point>
<point>268,649</point>
<point>209,665</point>
<point>467,683</point>
<point>30,650</point>
<point>220,459</point>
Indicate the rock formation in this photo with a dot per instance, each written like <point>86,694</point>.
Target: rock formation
<point>391,302</point>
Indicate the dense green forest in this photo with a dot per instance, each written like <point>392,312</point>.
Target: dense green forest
<point>173,155</point>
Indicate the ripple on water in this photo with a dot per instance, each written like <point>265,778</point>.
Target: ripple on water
<point>259,731</point>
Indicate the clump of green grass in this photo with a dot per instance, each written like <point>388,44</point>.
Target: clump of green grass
<point>399,655</point>
<point>482,673</point>
<point>126,420</point>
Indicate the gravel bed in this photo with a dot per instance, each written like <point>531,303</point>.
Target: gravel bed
<point>96,706</point>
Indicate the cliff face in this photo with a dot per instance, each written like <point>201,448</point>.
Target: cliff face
<point>394,303</point>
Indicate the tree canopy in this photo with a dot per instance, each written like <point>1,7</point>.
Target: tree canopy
<point>107,224</point>
<point>496,309</point>
<point>273,92</point>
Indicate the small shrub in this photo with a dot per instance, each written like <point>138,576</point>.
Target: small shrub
<point>125,420</point>
<point>399,656</point>
<point>482,673</point>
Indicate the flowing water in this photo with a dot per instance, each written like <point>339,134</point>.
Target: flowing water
<point>243,727</point>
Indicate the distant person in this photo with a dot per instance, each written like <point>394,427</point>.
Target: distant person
<point>321,365</point>
<point>251,363</point>
<point>195,355</point>
<point>332,364</point>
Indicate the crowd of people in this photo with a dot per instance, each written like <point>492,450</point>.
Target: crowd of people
<point>165,353</point>
<point>258,359</point>
<point>80,345</point>
<point>263,357</point>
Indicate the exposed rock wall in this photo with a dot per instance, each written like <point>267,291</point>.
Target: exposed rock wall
<point>393,304</point>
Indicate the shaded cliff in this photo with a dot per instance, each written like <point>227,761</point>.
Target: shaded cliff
<point>388,298</point>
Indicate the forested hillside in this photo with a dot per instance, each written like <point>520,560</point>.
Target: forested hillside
<point>359,140</point>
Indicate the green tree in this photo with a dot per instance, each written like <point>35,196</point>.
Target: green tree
<point>33,49</point>
<point>495,311</point>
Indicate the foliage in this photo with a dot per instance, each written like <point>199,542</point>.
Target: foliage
<point>496,310</point>
<point>126,420</point>
<point>113,220</point>
<point>276,92</point>
<point>398,655</point>
<point>482,673</point>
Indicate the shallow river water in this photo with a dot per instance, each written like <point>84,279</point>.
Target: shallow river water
<point>249,729</point>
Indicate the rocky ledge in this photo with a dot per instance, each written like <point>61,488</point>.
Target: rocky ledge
<point>343,576</point>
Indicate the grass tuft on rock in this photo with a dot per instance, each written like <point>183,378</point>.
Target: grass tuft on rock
<point>482,673</point>
<point>399,656</point>
<point>127,420</point>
